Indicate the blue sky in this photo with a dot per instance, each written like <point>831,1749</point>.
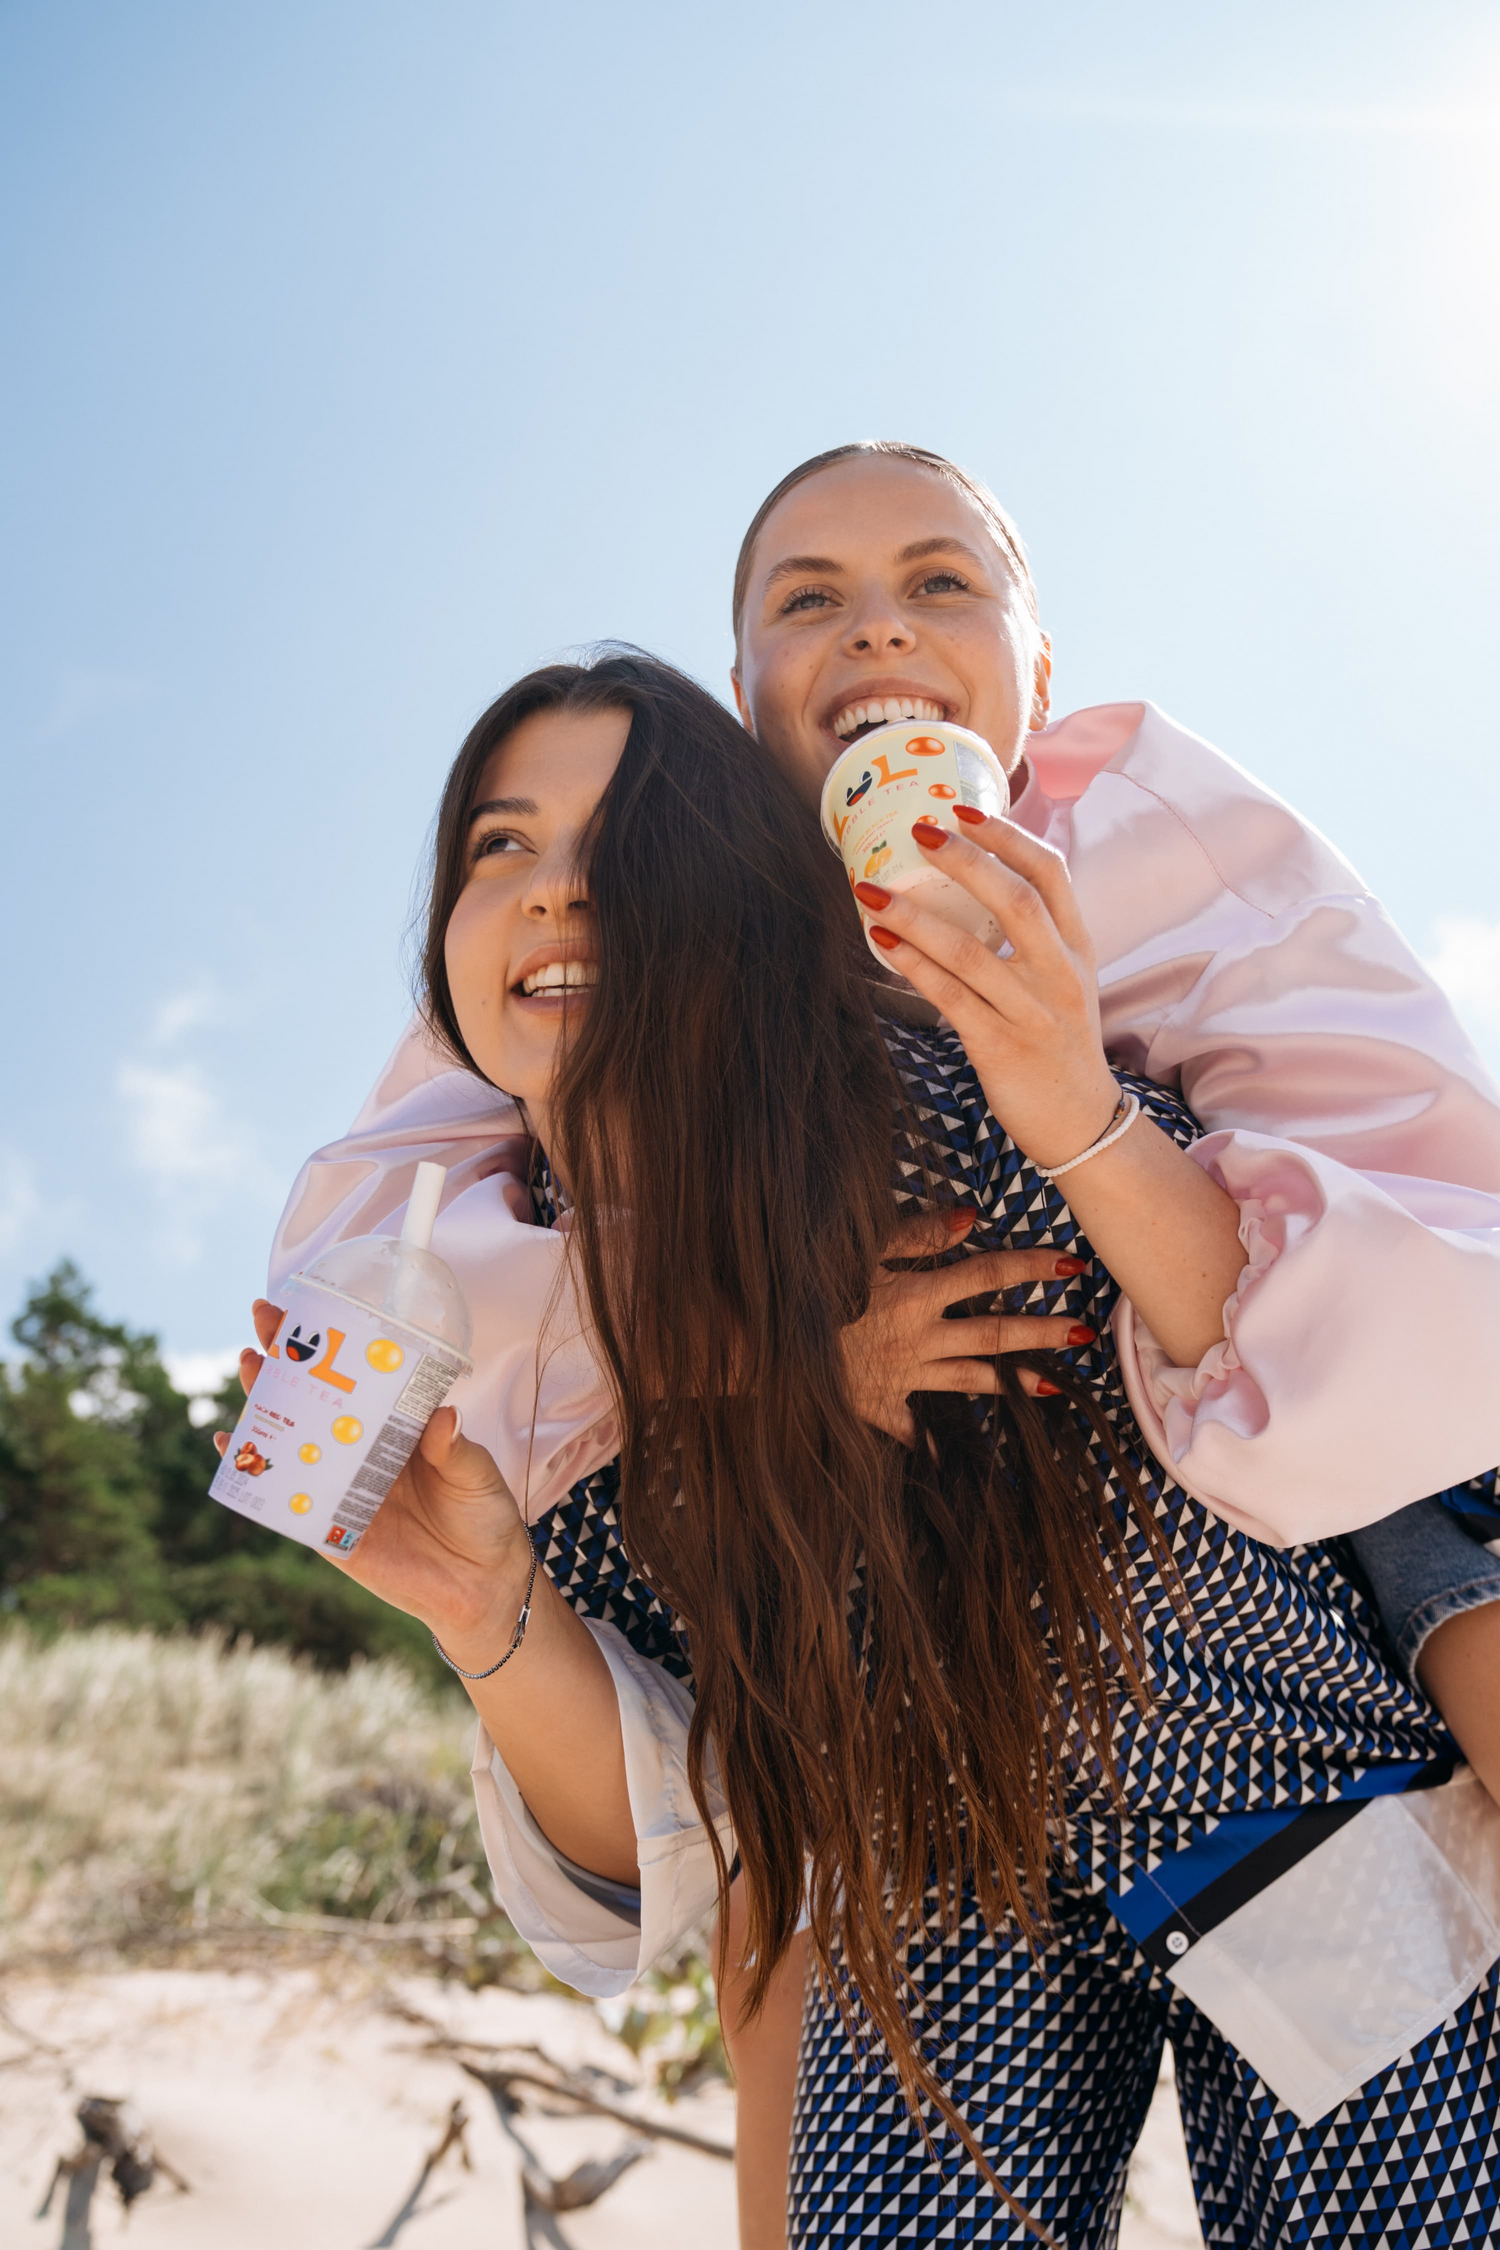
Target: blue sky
<point>358,357</point>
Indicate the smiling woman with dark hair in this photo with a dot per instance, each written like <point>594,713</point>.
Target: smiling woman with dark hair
<point>1027,1734</point>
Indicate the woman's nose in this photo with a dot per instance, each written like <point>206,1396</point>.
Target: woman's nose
<point>556,902</point>
<point>558,892</point>
<point>877,627</point>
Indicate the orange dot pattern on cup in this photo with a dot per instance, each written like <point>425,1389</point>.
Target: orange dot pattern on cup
<point>385,1355</point>
<point>940,789</point>
<point>309,1453</point>
<point>347,1430</point>
<point>299,1503</point>
<point>924,746</point>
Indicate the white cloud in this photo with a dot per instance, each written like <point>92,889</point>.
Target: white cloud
<point>19,1199</point>
<point>185,1012</point>
<point>1466,962</point>
<point>199,1375</point>
<point>181,1133</point>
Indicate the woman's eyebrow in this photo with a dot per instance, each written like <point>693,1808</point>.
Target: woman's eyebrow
<point>802,566</point>
<point>523,806</point>
<point>942,544</point>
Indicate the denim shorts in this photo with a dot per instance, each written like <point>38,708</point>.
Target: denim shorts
<point>1424,1568</point>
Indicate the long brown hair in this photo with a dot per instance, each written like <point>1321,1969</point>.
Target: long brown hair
<point>904,1660</point>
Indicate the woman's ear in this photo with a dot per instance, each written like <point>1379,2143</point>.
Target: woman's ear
<point>742,702</point>
<point>1041,684</point>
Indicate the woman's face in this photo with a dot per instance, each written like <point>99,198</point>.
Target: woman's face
<point>878,581</point>
<point>520,946</point>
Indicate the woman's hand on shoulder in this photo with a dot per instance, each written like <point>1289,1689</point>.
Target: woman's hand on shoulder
<point>904,1341</point>
<point>1030,1021</point>
<point>447,1544</point>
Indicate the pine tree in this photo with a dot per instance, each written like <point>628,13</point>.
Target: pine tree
<point>104,1507</point>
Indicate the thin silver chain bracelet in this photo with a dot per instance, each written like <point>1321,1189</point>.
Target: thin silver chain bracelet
<point>516,1638</point>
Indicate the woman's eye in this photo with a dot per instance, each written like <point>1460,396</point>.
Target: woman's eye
<point>498,840</point>
<point>806,597</point>
<point>943,582</point>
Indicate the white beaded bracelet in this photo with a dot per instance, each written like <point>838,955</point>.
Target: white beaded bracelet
<point>1127,1110</point>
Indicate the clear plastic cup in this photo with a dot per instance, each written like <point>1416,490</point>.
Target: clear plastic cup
<point>914,770</point>
<point>373,1336</point>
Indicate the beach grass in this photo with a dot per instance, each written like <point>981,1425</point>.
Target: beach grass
<point>177,1797</point>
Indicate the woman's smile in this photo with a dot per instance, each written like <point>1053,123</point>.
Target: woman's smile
<point>547,978</point>
<point>881,703</point>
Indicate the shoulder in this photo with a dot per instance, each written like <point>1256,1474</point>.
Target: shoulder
<point>1155,811</point>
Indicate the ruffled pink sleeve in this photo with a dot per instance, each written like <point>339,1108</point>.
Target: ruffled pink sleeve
<point>536,1399</point>
<point>1359,1367</point>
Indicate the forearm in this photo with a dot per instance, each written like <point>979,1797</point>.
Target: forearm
<point>554,1717</point>
<point>1167,1233</point>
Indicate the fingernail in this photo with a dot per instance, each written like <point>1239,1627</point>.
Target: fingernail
<point>1078,1334</point>
<point>975,815</point>
<point>1065,1267</point>
<point>887,940</point>
<point>1044,1389</point>
<point>929,835</point>
<point>957,1221</point>
<point>871,894</point>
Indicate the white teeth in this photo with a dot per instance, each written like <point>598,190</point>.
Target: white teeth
<point>561,976</point>
<point>886,712</point>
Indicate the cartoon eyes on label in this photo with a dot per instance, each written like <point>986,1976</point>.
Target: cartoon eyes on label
<point>300,1347</point>
<point>300,1502</point>
<point>940,789</point>
<point>309,1453</point>
<point>347,1430</point>
<point>384,1355</point>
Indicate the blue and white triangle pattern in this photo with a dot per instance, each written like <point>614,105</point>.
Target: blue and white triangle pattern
<point>1280,1692</point>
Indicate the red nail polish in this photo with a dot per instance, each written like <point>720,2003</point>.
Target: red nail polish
<point>1066,1267</point>
<point>929,835</point>
<point>1044,1389</point>
<point>958,1221</point>
<point>871,894</point>
<point>975,815</point>
<point>1078,1334</point>
<point>887,940</point>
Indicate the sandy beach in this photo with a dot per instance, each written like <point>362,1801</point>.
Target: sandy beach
<point>302,2107</point>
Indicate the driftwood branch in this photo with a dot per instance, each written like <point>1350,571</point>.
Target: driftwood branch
<point>565,2086</point>
<point>548,2077</point>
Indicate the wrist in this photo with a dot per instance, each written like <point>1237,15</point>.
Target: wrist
<point>475,1627</point>
<point>1074,1124</point>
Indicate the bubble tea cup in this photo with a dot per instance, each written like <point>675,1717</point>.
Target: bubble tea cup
<point>374,1334</point>
<point>913,770</point>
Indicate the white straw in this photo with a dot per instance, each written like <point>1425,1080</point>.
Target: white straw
<point>422,1205</point>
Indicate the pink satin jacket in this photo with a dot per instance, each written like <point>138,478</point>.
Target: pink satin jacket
<point>1344,1109</point>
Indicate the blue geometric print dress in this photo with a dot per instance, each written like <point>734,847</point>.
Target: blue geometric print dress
<point>1270,1710</point>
